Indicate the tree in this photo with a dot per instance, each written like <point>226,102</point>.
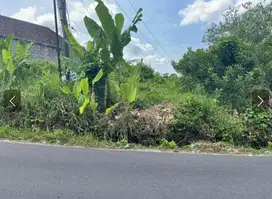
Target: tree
<point>230,51</point>
<point>147,72</point>
<point>199,66</point>
<point>225,68</point>
<point>247,22</point>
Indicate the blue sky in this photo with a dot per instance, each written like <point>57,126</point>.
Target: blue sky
<point>176,24</point>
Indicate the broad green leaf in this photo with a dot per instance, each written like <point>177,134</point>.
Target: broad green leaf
<point>6,56</point>
<point>84,105</point>
<point>82,74</point>
<point>76,90</point>
<point>129,89</point>
<point>125,38</point>
<point>116,46</point>
<point>28,51</point>
<point>119,22</point>
<point>7,59</point>
<point>128,92</point>
<point>20,50</point>
<point>126,35</point>
<point>84,85</point>
<point>66,89</point>
<point>90,46</point>
<point>81,99</point>
<point>105,18</point>
<point>114,83</point>
<point>93,104</point>
<point>112,108</point>
<point>73,42</point>
<point>105,55</point>
<point>9,41</point>
<point>125,91</point>
<point>138,17</point>
<point>95,31</point>
<point>97,77</point>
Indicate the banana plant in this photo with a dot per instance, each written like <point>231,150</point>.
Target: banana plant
<point>82,93</point>
<point>108,41</point>
<point>6,63</point>
<point>126,91</point>
<point>13,65</point>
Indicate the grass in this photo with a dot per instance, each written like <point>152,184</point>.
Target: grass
<point>66,138</point>
<point>60,137</point>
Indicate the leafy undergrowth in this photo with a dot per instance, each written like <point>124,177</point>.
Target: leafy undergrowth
<point>60,137</point>
<point>66,138</point>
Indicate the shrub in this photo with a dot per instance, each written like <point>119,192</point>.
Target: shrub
<point>258,128</point>
<point>165,144</point>
<point>199,117</point>
<point>57,112</point>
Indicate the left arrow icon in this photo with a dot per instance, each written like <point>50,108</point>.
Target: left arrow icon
<point>11,101</point>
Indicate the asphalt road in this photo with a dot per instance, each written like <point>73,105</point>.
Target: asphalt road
<point>44,172</point>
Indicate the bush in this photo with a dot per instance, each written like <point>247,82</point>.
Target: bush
<point>57,112</point>
<point>258,128</point>
<point>199,117</point>
<point>165,144</point>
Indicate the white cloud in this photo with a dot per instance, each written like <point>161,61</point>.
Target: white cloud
<point>78,10</point>
<point>46,20</point>
<point>138,50</point>
<point>30,14</point>
<point>135,50</point>
<point>203,11</point>
<point>144,47</point>
<point>26,14</point>
<point>208,11</point>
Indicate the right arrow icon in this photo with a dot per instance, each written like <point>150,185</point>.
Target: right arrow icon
<point>260,98</point>
<point>261,101</point>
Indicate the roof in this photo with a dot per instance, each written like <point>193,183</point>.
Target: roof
<point>27,31</point>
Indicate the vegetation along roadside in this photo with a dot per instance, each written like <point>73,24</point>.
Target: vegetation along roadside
<point>117,103</point>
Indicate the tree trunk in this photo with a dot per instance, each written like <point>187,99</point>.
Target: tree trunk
<point>105,103</point>
<point>106,92</point>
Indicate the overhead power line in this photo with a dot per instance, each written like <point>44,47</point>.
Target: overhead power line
<point>75,27</point>
<point>150,30</point>
<point>86,7</point>
<point>148,41</point>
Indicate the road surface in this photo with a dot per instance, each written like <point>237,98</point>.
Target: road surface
<point>46,172</point>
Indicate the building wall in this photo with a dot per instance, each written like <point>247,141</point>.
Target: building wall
<point>41,51</point>
<point>44,52</point>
